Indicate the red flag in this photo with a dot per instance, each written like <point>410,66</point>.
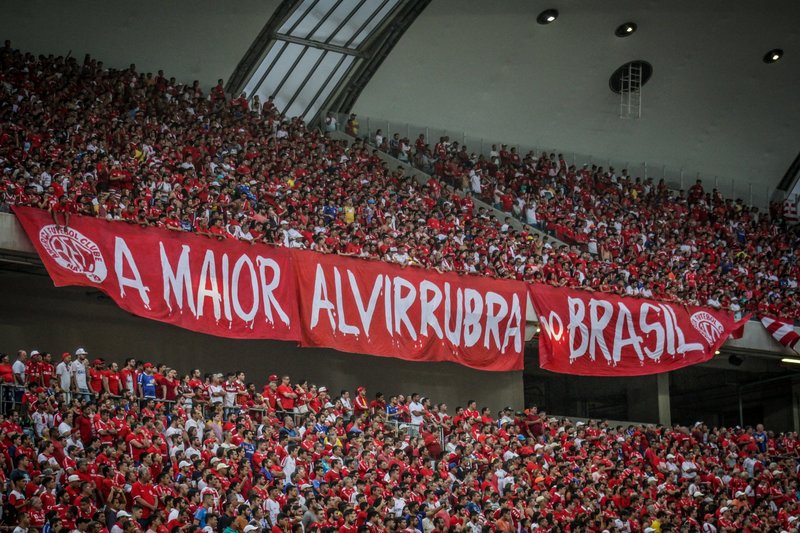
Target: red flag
<point>781,330</point>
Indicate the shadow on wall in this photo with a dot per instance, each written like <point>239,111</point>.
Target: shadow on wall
<point>34,314</point>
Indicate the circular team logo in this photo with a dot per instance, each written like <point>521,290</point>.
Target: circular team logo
<point>709,327</point>
<point>74,251</point>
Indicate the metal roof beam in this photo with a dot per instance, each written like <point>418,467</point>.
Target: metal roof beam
<point>321,46</point>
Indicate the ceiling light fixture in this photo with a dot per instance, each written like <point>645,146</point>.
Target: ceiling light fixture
<point>547,16</point>
<point>790,360</point>
<point>625,30</point>
<point>773,55</point>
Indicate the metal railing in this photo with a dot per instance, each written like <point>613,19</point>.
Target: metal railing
<point>753,193</point>
<point>11,400</point>
<point>488,201</point>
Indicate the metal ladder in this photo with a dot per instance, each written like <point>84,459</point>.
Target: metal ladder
<point>630,94</point>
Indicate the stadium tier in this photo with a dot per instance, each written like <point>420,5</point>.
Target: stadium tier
<point>143,149</point>
<point>127,446</point>
<point>241,227</point>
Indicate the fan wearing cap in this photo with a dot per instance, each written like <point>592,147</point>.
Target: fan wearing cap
<point>78,369</point>
<point>63,375</point>
<point>123,517</point>
<point>147,383</point>
<point>270,391</point>
<point>73,488</point>
<point>724,518</point>
<point>97,381</point>
<point>33,367</point>
<point>360,403</point>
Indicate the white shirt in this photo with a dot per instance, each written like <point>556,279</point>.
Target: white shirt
<point>273,508</point>
<point>346,404</point>
<point>19,369</point>
<point>475,183</point>
<point>192,423</point>
<point>530,213</point>
<point>79,371</point>
<point>687,467</point>
<point>62,371</point>
<point>416,406</point>
<point>289,466</point>
<point>213,391</point>
<point>397,506</point>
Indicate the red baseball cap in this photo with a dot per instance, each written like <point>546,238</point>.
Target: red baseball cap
<point>273,377</point>
<point>148,365</point>
<point>65,355</point>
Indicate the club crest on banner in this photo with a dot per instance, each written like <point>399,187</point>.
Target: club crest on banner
<point>709,327</point>
<point>74,251</point>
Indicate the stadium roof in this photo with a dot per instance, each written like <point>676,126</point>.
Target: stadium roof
<point>711,107</point>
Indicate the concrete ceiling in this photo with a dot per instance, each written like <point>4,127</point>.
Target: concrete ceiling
<point>712,106</point>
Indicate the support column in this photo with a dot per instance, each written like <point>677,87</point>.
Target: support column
<point>664,413</point>
<point>795,405</point>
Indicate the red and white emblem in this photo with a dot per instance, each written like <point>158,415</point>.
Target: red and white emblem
<point>709,327</point>
<point>74,251</point>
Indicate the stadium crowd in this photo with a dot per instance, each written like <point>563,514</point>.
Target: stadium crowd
<point>80,138</point>
<point>643,238</point>
<point>92,445</point>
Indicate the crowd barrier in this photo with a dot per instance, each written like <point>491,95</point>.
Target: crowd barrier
<point>11,400</point>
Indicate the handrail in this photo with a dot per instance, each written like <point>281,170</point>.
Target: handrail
<point>753,192</point>
<point>479,202</point>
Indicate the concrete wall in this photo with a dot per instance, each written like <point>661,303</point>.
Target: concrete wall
<point>712,105</point>
<point>12,236</point>
<point>188,39</point>
<point>34,314</point>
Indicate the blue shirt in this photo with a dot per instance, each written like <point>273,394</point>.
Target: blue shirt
<point>249,449</point>
<point>761,441</point>
<point>200,516</point>
<point>148,384</point>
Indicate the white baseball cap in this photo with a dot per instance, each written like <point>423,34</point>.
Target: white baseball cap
<point>184,464</point>
<point>123,514</point>
<point>35,352</point>
<point>81,351</point>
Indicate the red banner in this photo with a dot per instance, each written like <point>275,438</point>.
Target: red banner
<point>409,313</point>
<point>233,289</point>
<point>225,288</point>
<point>596,334</point>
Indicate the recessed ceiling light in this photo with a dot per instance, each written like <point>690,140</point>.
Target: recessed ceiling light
<point>547,16</point>
<point>773,55</point>
<point>625,30</point>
